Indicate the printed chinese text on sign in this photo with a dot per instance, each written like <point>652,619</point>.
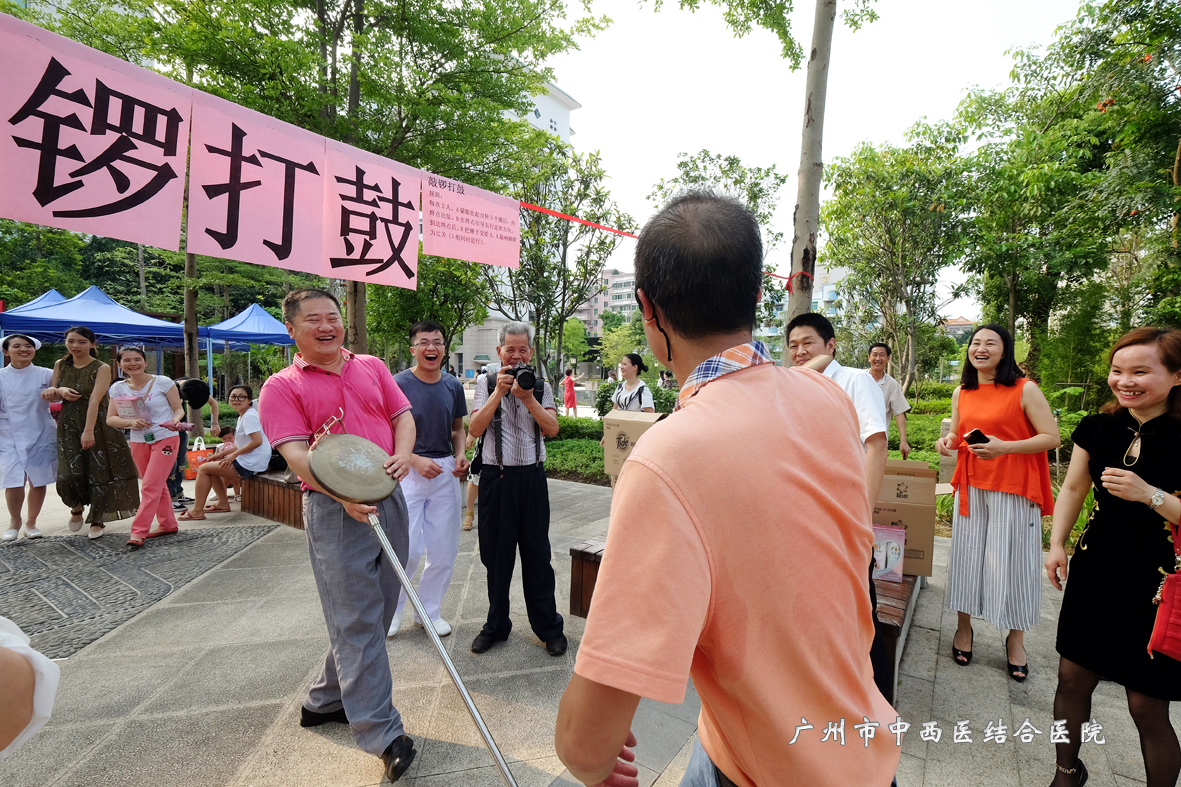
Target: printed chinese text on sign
<point>90,143</point>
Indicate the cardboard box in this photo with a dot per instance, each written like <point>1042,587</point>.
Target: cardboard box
<point>621,430</point>
<point>919,523</point>
<point>888,546</point>
<point>914,490</point>
<point>909,468</point>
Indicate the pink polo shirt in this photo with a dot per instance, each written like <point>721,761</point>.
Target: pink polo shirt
<point>297,401</point>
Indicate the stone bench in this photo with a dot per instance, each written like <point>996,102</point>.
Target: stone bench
<point>896,603</point>
<point>896,600</point>
<point>271,497</point>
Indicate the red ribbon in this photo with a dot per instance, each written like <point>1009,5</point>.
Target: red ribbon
<point>540,209</point>
<point>789,278</point>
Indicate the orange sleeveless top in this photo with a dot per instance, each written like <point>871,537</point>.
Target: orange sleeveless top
<point>996,410</point>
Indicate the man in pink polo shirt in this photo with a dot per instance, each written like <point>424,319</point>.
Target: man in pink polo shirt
<point>738,544</point>
<point>358,588</point>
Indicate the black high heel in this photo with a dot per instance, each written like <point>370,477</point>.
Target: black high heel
<point>965,655</point>
<point>1079,768</point>
<point>1023,673</point>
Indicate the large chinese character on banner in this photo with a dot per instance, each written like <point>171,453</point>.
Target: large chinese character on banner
<point>370,217</point>
<point>256,188</point>
<point>89,142</point>
<point>466,223</point>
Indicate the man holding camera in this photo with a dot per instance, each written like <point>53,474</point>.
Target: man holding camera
<point>512,419</point>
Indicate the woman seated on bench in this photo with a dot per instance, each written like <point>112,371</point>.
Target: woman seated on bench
<point>250,457</point>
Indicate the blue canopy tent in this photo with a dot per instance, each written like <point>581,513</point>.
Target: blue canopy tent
<point>253,325</point>
<point>45,299</point>
<point>111,322</point>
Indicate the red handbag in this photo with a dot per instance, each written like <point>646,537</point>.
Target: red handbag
<point>1166,631</point>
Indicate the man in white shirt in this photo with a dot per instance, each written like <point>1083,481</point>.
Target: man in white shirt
<point>896,404</point>
<point>812,341</point>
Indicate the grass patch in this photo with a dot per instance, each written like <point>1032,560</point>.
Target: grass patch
<point>576,460</point>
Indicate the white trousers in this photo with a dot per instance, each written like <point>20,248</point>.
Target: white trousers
<point>433,505</point>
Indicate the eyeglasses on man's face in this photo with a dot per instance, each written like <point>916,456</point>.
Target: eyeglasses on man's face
<point>428,344</point>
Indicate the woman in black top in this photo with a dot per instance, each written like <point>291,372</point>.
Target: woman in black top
<point>1132,456</point>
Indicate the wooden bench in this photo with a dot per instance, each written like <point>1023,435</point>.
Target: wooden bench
<point>584,570</point>
<point>269,496</point>
<point>896,603</point>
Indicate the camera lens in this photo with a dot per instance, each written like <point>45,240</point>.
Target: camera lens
<point>526,378</point>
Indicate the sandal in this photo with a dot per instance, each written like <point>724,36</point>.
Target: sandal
<point>155,533</point>
<point>135,542</point>
<point>1079,768</point>
<point>217,510</point>
<point>75,521</point>
<point>1019,673</point>
<point>962,657</point>
<point>187,516</point>
<point>467,521</point>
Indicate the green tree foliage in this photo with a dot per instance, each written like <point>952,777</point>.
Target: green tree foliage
<point>574,344</point>
<point>34,259</point>
<point>611,320</point>
<point>561,261</point>
<point>897,219</point>
<point>627,338</point>
<point>453,293</point>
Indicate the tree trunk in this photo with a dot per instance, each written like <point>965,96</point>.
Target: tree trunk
<point>806,217</point>
<point>143,288</point>
<point>912,349</point>
<point>1176,182</point>
<point>192,363</point>
<point>1011,283</point>
<point>356,336</point>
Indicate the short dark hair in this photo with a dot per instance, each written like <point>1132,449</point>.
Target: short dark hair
<point>883,345</point>
<point>249,391</point>
<point>817,322</point>
<point>426,326</point>
<point>1007,371</point>
<point>569,372</point>
<point>138,350</point>
<point>293,301</point>
<point>700,259</point>
<point>194,392</point>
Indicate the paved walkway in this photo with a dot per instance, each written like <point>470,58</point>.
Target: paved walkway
<point>205,688</point>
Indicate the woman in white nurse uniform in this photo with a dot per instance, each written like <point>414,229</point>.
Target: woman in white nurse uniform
<point>28,435</point>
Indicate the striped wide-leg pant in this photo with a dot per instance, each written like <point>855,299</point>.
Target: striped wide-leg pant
<point>994,569</point>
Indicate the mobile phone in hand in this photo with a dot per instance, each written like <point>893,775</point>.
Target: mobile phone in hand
<point>975,437</point>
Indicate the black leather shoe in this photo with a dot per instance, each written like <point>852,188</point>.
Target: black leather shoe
<point>398,756</point>
<point>309,718</point>
<point>556,646</point>
<point>483,641</point>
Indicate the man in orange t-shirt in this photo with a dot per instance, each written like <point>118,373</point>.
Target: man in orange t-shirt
<point>738,544</point>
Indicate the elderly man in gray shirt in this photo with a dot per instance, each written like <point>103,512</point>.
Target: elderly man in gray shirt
<point>514,499</point>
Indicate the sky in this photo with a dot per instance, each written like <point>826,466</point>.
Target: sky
<point>655,84</point>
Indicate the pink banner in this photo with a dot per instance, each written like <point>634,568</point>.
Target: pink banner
<point>370,217</point>
<point>255,188</point>
<point>466,223</point>
<point>90,143</point>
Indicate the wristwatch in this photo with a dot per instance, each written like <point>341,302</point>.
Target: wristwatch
<point>1158,498</point>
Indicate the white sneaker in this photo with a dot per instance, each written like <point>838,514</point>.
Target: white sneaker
<point>32,532</point>
<point>442,627</point>
<point>395,624</point>
<point>10,535</point>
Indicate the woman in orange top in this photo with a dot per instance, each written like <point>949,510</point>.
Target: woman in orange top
<point>1002,490</point>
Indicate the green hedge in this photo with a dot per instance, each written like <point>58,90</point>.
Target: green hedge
<point>576,460</point>
<point>931,407</point>
<point>921,432</point>
<point>930,457</point>
<point>933,391</point>
<point>579,429</point>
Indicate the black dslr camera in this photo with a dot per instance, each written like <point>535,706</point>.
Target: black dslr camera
<point>526,375</point>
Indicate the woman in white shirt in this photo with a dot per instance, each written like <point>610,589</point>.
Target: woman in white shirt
<point>28,435</point>
<point>251,455</point>
<point>154,440</point>
<point>632,393</point>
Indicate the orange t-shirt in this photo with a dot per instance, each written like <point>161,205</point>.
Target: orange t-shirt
<point>996,410</point>
<point>737,554</point>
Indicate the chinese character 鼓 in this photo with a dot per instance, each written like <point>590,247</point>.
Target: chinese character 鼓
<point>157,127</point>
<point>898,728</point>
<point>961,732</point>
<point>1026,731</point>
<point>866,729</point>
<point>1058,733</point>
<point>833,730</point>
<point>999,733</point>
<point>804,725</point>
<point>369,230</point>
<point>931,732</point>
<point>1093,731</point>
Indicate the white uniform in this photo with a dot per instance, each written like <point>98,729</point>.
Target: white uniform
<point>28,434</point>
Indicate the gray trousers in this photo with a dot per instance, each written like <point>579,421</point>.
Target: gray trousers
<point>359,592</point>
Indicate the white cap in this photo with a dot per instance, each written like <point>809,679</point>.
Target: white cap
<point>35,342</point>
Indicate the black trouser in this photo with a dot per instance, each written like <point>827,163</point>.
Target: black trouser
<point>514,513</point>
<point>883,668</point>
